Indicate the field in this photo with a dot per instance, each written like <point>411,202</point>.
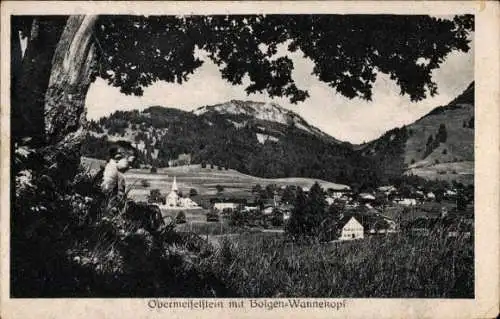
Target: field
<point>462,172</point>
<point>264,265</point>
<point>205,180</point>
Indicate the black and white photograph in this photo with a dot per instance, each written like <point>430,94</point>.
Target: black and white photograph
<point>275,156</point>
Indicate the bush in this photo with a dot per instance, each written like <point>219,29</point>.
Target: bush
<point>180,218</point>
<point>277,218</point>
<point>193,192</point>
<point>153,170</point>
<point>145,183</point>
<point>219,188</point>
<point>212,216</point>
<point>155,196</point>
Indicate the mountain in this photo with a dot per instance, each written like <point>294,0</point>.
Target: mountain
<point>263,113</point>
<point>440,145</point>
<point>268,141</point>
<point>260,139</point>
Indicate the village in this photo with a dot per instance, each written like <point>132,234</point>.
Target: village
<point>384,210</point>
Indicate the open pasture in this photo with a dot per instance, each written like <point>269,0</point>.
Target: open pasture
<point>205,180</point>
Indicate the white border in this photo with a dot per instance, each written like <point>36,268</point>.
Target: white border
<point>485,304</point>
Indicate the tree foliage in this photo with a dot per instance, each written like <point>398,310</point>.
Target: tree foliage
<point>347,50</point>
<point>309,213</point>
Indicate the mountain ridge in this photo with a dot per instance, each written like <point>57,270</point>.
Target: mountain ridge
<point>267,140</point>
<point>438,145</point>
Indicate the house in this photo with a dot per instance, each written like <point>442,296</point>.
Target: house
<point>450,194</point>
<point>352,229</point>
<point>387,189</point>
<point>366,196</point>
<point>406,201</point>
<point>220,206</point>
<point>248,208</point>
<point>268,210</point>
<point>431,196</point>
<point>286,215</point>
<point>338,194</point>
<point>329,200</point>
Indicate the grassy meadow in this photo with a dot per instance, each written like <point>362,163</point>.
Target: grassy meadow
<point>399,266</point>
<point>205,180</point>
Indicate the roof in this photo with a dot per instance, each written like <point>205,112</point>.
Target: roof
<point>367,196</point>
<point>367,220</point>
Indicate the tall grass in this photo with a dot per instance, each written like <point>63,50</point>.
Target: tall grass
<point>396,266</point>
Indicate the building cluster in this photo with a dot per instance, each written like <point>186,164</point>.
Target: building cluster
<point>359,214</point>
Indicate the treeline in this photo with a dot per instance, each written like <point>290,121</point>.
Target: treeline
<point>387,152</point>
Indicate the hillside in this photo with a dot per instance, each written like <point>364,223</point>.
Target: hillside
<point>254,138</point>
<point>440,145</point>
<point>205,180</point>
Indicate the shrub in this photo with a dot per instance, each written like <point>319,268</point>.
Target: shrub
<point>145,183</point>
<point>277,218</point>
<point>153,170</point>
<point>212,216</point>
<point>155,196</point>
<point>193,192</point>
<point>238,218</point>
<point>219,188</point>
<point>180,218</point>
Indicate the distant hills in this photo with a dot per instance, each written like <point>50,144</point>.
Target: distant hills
<point>440,145</point>
<point>269,141</point>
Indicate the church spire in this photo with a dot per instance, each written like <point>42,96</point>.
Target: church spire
<point>174,186</point>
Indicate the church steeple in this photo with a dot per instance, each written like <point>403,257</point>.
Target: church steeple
<point>174,186</point>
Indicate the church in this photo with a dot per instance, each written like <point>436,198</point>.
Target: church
<point>174,201</point>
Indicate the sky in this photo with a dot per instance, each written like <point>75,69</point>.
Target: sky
<point>354,121</point>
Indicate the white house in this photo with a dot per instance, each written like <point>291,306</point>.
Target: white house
<point>220,206</point>
<point>250,208</point>
<point>329,200</point>
<point>338,195</point>
<point>366,196</point>
<point>352,230</point>
<point>406,201</point>
<point>431,195</point>
<point>268,210</point>
<point>450,193</point>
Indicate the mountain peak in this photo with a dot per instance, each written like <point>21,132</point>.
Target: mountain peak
<point>264,111</point>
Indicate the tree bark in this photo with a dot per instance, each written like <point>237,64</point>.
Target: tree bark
<point>30,74</point>
<point>70,79</point>
<point>64,112</point>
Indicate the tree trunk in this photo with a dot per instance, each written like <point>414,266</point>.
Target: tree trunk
<point>30,74</point>
<point>70,79</point>
<point>64,115</point>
